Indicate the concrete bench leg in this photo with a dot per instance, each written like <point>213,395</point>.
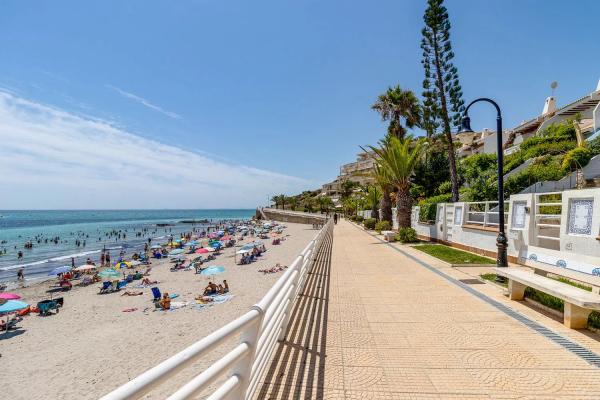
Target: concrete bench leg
<point>576,317</point>
<point>516,290</point>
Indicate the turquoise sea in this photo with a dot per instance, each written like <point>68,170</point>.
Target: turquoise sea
<point>58,235</point>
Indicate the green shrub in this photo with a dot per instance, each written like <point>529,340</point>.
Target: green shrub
<point>544,169</point>
<point>594,146</point>
<point>445,187</point>
<point>428,206</point>
<point>407,235</point>
<point>382,226</point>
<point>369,223</point>
<point>576,159</point>
<point>359,218</point>
<point>549,301</point>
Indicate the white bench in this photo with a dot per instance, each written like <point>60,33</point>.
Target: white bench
<point>545,269</point>
<point>389,236</point>
<point>578,302</point>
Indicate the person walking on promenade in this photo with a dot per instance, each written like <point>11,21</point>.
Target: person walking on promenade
<point>335,218</point>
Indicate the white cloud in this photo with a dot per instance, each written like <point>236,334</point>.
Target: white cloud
<point>50,158</point>
<point>144,102</point>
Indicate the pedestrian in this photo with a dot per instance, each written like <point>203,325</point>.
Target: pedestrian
<point>335,218</point>
<point>21,275</point>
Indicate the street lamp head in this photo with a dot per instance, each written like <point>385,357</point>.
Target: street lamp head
<point>465,125</point>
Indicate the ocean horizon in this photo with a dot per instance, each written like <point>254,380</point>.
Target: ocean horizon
<point>57,236</point>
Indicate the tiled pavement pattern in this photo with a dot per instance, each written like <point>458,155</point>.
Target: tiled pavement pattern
<point>373,324</point>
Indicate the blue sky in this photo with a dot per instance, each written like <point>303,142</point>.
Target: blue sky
<point>279,88</point>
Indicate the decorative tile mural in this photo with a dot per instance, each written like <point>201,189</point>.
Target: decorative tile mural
<point>580,216</point>
<point>574,265</point>
<point>518,215</point>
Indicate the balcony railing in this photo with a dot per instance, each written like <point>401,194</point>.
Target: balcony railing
<point>485,213</point>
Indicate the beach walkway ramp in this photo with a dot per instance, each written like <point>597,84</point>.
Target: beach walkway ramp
<point>383,321</point>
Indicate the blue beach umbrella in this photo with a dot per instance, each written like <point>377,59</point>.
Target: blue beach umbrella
<point>192,243</point>
<point>12,306</point>
<point>60,270</point>
<point>212,270</point>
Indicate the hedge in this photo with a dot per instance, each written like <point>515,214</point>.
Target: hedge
<point>428,206</point>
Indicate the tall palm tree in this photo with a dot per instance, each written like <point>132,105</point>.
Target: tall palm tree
<point>372,198</point>
<point>382,179</point>
<point>396,105</point>
<point>399,158</point>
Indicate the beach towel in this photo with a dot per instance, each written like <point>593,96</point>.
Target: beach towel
<point>217,299</point>
<point>175,305</point>
<point>173,296</point>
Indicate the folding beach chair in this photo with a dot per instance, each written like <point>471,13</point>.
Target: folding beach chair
<point>105,287</point>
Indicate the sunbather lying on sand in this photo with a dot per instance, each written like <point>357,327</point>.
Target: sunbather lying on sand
<point>128,293</point>
<point>147,281</point>
<point>272,270</point>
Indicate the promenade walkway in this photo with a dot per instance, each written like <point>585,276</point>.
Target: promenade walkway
<point>376,323</point>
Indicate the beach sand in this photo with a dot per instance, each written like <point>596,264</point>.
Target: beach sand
<point>92,346</point>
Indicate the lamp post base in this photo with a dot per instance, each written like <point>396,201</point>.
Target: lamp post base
<point>502,259</point>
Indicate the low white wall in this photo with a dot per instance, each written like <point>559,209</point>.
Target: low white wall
<point>574,244</point>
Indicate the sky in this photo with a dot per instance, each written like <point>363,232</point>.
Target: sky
<point>223,104</point>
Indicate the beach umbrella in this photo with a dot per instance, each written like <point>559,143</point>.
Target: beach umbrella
<point>175,252</point>
<point>201,251</point>
<point>9,296</point>
<point>212,270</point>
<point>122,264</point>
<point>85,267</point>
<point>12,306</point>
<point>109,273</point>
<point>243,251</point>
<point>191,243</point>
<point>216,245</point>
<point>226,237</point>
<point>134,263</point>
<point>155,247</point>
<point>60,270</point>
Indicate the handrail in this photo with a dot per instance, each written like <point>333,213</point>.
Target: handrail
<point>260,328</point>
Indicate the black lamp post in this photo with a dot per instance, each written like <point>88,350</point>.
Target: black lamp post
<point>501,242</point>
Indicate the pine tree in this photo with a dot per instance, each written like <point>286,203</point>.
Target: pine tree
<point>442,94</point>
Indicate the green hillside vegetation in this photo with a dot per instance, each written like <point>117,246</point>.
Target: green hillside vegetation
<point>555,155</point>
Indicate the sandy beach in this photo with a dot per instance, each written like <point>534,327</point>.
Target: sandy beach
<point>92,346</point>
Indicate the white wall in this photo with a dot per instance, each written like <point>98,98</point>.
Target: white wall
<point>577,246</point>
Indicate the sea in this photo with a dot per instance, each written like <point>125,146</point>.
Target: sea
<point>59,235</point>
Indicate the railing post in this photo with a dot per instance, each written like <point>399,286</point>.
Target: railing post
<point>291,297</point>
<point>485,213</point>
<point>243,367</point>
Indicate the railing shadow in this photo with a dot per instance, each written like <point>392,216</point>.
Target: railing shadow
<point>297,369</point>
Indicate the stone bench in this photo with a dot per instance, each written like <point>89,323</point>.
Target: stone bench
<point>389,236</point>
<point>545,269</point>
<point>578,302</point>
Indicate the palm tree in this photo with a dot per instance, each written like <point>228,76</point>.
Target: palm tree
<point>372,199</point>
<point>399,158</point>
<point>275,199</point>
<point>325,203</point>
<point>382,179</point>
<point>395,105</point>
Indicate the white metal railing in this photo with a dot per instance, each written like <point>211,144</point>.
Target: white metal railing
<point>260,329</point>
<point>485,213</point>
<point>547,219</point>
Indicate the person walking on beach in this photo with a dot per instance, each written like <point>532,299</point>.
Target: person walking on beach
<point>21,275</point>
<point>335,218</point>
